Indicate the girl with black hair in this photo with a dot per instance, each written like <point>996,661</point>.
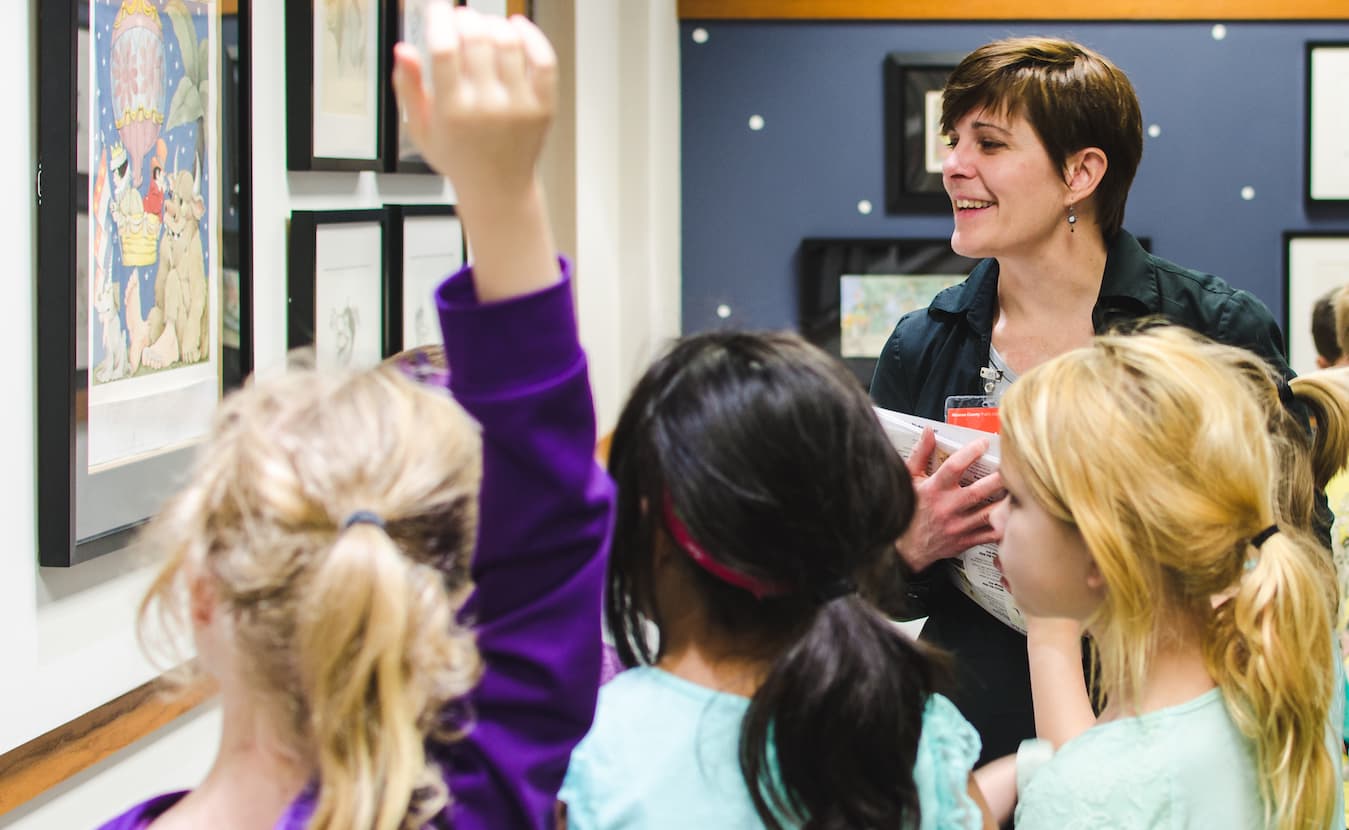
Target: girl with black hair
<point>756,493</point>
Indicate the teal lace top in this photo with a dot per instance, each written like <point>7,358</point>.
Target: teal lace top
<point>1185,766</point>
<point>663,754</point>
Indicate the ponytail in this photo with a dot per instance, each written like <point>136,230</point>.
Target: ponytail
<point>1327,400</point>
<point>379,656</point>
<point>831,736</point>
<point>1270,650</point>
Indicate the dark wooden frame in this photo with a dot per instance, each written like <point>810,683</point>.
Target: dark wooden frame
<point>63,481</point>
<point>300,92</point>
<point>301,276</point>
<point>1311,47</point>
<point>821,262</point>
<point>233,376</point>
<point>908,187</point>
<point>394,291</point>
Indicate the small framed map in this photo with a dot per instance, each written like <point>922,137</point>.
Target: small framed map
<point>851,292</point>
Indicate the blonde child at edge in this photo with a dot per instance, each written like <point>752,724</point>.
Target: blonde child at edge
<point>319,550</point>
<point>1210,610</point>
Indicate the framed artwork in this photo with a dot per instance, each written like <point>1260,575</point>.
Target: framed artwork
<point>426,244</point>
<point>1327,128</point>
<point>336,92</point>
<point>914,145</point>
<point>129,253</point>
<point>336,287</point>
<point>1314,264</point>
<point>851,292</point>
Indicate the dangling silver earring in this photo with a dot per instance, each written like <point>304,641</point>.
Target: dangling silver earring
<point>1072,218</point>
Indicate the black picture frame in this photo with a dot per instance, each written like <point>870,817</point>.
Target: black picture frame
<point>237,193</point>
<point>314,144</point>
<point>398,299</point>
<point>823,265</point>
<point>303,327</point>
<point>399,155</point>
<point>84,514</point>
<point>910,78</point>
<point>1325,147</point>
<point>1303,286</point>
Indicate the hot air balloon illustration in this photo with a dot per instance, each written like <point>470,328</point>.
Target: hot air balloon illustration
<point>137,70</point>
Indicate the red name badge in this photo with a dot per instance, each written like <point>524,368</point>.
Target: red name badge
<point>972,411</point>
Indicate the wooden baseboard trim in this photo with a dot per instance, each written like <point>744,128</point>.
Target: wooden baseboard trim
<point>1012,10</point>
<point>31,769</point>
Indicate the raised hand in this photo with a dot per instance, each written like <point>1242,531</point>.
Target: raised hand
<point>478,107</point>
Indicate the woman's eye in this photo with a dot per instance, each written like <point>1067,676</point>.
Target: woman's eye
<point>948,140</point>
<point>989,144</point>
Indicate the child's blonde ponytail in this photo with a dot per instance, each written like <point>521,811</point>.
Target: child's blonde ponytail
<point>369,633</point>
<point>1269,649</point>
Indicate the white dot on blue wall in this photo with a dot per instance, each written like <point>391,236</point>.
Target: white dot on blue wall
<point>756,122</point>
<point>1219,31</point>
<point>700,35</point>
<point>1154,131</point>
<point>723,311</point>
<point>1248,193</point>
<point>864,207</point>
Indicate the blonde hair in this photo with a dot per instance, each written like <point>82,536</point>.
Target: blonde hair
<point>1307,457</point>
<point>347,635</point>
<point>1156,453</point>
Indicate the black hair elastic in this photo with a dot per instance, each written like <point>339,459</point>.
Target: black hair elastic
<point>363,517</point>
<point>1263,536</point>
<point>1286,396</point>
<point>836,589</point>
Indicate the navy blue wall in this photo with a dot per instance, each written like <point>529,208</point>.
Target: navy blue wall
<point>1230,112</point>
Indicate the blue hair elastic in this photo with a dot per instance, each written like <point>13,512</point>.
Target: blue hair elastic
<point>363,517</point>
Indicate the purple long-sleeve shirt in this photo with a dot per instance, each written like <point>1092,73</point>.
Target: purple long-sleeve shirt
<point>518,368</point>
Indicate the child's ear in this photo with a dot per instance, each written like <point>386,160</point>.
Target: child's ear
<point>203,602</point>
<point>1095,579</point>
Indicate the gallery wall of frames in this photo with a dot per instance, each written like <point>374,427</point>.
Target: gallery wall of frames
<point>148,214</point>
<point>811,157</point>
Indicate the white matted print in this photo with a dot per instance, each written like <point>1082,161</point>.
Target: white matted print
<point>433,248</point>
<point>412,29</point>
<point>1328,123</point>
<point>348,295</point>
<point>488,6</point>
<point>1316,265</point>
<point>152,265</point>
<point>346,79</point>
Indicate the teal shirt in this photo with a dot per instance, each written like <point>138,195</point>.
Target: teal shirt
<point>1186,766</point>
<point>663,753</point>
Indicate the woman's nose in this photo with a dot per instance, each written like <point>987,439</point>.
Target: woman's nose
<point>955,165</point>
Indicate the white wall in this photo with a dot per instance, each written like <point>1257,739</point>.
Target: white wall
<point>68,642</point>
<point>627,189</point>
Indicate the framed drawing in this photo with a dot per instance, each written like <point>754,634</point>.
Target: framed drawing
<point>335,287</point>
<point>914,145</point>
<point>129,253</point>
<point>405,24</point>
<point>1314,264</point>
<point>335,84</point>
<point>851,292</point>
<point>1327,126</point>
<point>426,244</point>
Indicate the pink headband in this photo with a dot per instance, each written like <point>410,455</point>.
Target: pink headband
<point>760,588</point>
